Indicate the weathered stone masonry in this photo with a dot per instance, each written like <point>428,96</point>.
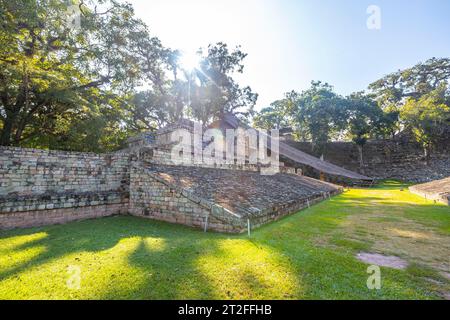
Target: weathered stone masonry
<point>401,159</point>
<point>220,199</point>
<point>437,191</point>
<point>155,198</point>
<point>39,187</point>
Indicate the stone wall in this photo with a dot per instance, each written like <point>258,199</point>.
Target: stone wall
<point>227,200</point>
<point>43,187</point>
<point>399,159</point>
<point>154,198</point>
<point>161,155</point>
<point>39,187</point>
<point>38,218</point>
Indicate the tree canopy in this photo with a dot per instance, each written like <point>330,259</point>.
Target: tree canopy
<point>316,113</point>
<point>428,117</point>
<point>90,86</point>
<point>412,100</point>
<point>53,74</point>
<point>423,78</point>
<point>213,90</point>
<point>419,96</point>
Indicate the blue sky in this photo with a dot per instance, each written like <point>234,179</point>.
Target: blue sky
<point>291,42</point>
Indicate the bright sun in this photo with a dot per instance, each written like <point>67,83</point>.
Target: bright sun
<point>190,60</point>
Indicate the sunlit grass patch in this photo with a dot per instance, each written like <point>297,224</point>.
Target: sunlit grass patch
<point>355,245</point>
<point>309,255</point>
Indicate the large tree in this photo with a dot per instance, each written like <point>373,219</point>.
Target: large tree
<point>153,109</point>
<point>212,89</point>
<point>273,117</point>
<point>50,69</point>
<point>320,111</point>
<point>392,90</point>
<point>428,117</point>
<point>364,119</point>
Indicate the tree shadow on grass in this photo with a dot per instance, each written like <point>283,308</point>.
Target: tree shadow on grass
<point>170,272</point>
<point>175,262</point>
<point>161,261</point>
<point>332,266</point>
<point>57,242</point>
<point>180,247</point>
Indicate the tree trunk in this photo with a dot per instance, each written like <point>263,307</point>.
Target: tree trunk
<point>426,153</point>
<point>361,158</point>
<point>5,136</point>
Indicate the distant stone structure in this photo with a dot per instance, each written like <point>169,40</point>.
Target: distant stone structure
<point>400,159</point>
<point>300,159</point>
<point>438,191</point>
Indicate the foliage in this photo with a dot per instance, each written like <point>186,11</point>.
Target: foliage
<point>150,110</point>
<point>396,102</point>
<point>363,117</point>
<point>417,99</point>
<point>428,117</point>
<point>318,113</point>
<point>364,120</point>
<point>63,87</point>
<point>272,117</point>
<point>213,91</point>
<point>423,78</point>
<point>51,71</point>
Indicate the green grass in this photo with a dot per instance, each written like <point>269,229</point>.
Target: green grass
<point>309,255</point>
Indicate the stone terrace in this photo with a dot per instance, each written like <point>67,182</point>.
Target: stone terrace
<point>243,192</point>
<point>436,190</point>
<point>220,199</point>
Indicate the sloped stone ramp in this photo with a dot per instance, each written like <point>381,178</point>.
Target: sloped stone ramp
<point>231,121</point>
<point>438,190</point>
<point>233,198</point>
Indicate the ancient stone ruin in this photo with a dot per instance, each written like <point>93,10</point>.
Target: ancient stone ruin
<point>39,187</point>
<point>401,158</point>
<point>438,191</point>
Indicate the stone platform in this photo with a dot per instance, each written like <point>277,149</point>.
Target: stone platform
<point>220,199</point>
<point>41,187</point>
<point>438,190</point>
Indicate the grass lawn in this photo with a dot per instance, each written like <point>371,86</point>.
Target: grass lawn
<point>309,255</point>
